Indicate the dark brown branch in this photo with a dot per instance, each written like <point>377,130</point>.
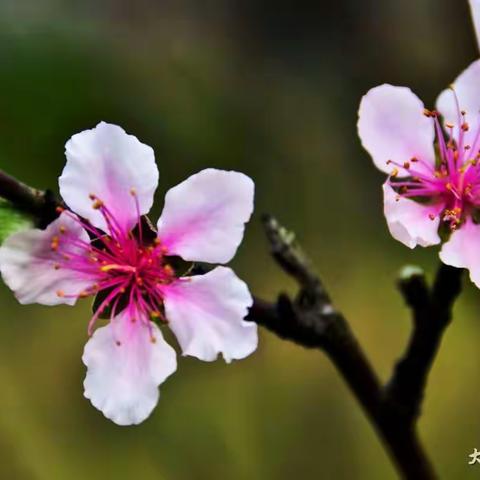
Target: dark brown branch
<point>432,313</point>
<point>312,321</point>
<point>39,204</point>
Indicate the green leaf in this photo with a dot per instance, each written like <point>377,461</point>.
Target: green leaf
<point>12,220</point>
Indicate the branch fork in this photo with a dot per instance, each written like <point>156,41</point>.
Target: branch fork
<point>311,320</point>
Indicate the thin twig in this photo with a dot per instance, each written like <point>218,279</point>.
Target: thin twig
<point>432,313</point>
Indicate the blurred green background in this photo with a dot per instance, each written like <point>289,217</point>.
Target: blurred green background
<point>270,88</point>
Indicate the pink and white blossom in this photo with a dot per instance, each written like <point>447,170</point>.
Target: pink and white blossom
<point>99,246</point>
<point>432,158</point>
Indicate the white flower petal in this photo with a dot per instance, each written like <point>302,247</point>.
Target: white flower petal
<point>29,266</point>
<point>467,90</point>
<point>206,314</point>
<point>409,222</point>
<point>392,126</point>
<point>122,379</point>
<point>108,163</point>
<point>463,250</point>
<point>204,217</point>
<point>475,9</point>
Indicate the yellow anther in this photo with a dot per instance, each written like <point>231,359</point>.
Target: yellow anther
<point>54,243</point>
<point>108,267</point>
<point>394,172</point>
<point>97,204</point>
<point>449,125</point>
<point>62,229</point>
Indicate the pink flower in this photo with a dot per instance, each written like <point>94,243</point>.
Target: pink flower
<point>430,185</point>
<point>109,182</point>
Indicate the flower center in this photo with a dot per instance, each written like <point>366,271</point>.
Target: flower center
<point>128,270</point>
<point>455,178</point>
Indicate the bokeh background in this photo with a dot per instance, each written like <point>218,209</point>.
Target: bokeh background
<point>270,88</point>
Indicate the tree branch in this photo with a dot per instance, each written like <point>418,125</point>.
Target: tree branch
<point>312,321</point>
<point>41,205</point>
<point>432,313</point>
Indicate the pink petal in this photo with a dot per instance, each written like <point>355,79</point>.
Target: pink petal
<point>467,89</point>
<point>463,250</point>
<point>475,9</point>
<point>392,126</point>
<point>409,222</point>
<point>206,314</point>
<point>204,217</point>
<point>108,163</point>
<point>122,379</point>
<point>29,266</point>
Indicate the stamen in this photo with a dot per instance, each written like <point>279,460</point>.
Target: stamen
<point>97,205</point>
<point>55,243</point>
